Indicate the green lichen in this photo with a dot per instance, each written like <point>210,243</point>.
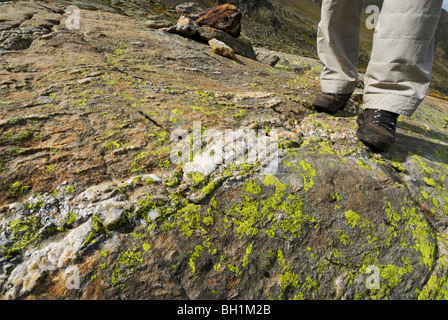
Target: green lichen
<point>209,188</point>
<point>233,268</point>
<point>248,250</point>
<point>130,259</point>
<point>309,173</point>
<point>306,171</point>
<point>186,219</point>
<point>112,145</point>
<point>335,197</point>
<point>125,265</point>
<point>252,215</point>
<point>363,165</point>
<point>173,182</point>
<point>435,202</point>
<point>67,221</point>
<point>197,177</point>
<point>194,255</point>
<point>392,274</point>
<point>18,189</point>
<point>246,217</point>
<point>208,221</point>
<point>98,228</point>
<point>424,168</point>
<point>422,234</point>
<point>343,237</point>
<point>252,188</point>
<point>281,260</point>
<point>352,217</point>
<point>69,189</point>
<point>175,179</point>
<point>430,182</point>
<point>24,233</point>
<point>34,206</point>
<point>436,288</point>
<point>136,165</point>
<point>398,166</point>
<point>425,194</point>
<point>289,279</point>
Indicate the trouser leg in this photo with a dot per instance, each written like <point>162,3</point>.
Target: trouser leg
<point>400,67</point>
<point>337,44</point>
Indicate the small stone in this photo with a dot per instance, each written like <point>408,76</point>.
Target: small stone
<point>44,100</point>
<point>47,36</point>
<point>113,215</point>
<point>267,57</point>
<point>241,47</point>
<point>111,210</point>
<point>221,48</point>
<point>85,80</point>
<point>254,126</point>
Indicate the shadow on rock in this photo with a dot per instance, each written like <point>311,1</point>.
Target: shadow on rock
<point>406,145</point>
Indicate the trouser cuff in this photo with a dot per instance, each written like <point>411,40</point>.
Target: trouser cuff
<point>337,87</point>
<point>391,102</point>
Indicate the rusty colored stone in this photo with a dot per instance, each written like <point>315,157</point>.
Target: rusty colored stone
<point>225,17</point>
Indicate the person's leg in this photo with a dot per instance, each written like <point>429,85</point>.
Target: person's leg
<point>338,44</point>
<point>400,67</point>
<point>337,47</point>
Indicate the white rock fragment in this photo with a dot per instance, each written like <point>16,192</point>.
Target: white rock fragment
<point>56,255</point>
<point>205,164</point>
<point>111,210</point>
<point>94,193</point>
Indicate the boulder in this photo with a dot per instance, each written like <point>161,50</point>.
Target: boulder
<point>226,17</point>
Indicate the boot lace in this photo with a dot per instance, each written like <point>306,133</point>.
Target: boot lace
<point>385,119</point>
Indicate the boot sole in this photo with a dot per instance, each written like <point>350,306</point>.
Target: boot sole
<point>373,141</point>
<point>321,108</point>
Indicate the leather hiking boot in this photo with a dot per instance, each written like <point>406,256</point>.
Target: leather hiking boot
<point>331,103</point>
<point>377,128</point>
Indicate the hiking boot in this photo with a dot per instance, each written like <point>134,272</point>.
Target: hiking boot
<point>331,103</point>
<point>377,128</point>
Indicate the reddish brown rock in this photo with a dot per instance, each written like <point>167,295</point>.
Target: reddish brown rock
<point>226,17</point>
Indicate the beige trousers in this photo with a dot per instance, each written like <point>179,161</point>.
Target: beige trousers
<point>399,72</point>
